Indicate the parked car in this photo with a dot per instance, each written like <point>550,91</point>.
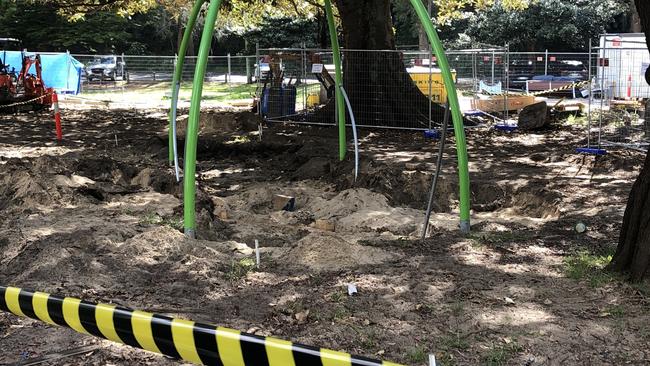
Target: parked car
<point>107,68</point>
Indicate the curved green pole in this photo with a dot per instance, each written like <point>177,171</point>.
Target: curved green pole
<point>178,72</point>
<point>340,102</point>
<point>457,117</point>
<point>192,135</point>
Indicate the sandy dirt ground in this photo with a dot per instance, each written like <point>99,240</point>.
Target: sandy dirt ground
<point>99,217</point>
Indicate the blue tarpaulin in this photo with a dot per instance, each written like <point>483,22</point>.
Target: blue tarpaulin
<point>60,70</point>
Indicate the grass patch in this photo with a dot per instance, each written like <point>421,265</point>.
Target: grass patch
<point>590,267</point>
<point>575,120</point>
<point>215,91</point>
<point>417,355</point>
<point>501,354</point>
<point>155,219</point>
<point>240,269</point>
<point>453,341</point>
<point>616,311</point>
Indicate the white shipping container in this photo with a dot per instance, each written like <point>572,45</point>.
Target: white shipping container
<point>621,66</point>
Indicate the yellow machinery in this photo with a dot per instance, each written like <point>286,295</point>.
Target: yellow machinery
<point>421,78</point>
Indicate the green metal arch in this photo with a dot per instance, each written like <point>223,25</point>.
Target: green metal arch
<point>189,182</point>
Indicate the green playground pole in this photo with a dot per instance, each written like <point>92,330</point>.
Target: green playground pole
<point>457,117</point>
<point>192,135</point>
<point>178,72</point>
<point>340,102</point>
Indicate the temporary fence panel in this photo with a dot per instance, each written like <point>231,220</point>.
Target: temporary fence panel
<point>390,89</point>
<point>620,63</point>
<point>150,69</point>
<point>60,70</point>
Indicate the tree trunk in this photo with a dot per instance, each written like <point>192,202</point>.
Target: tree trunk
<point>635,21</point>
<point>633,253</point>
<point>381,91</point>
<point>423,40</point>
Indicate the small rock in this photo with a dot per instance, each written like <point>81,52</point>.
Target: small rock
<point>509,301</point>
<point>284,203</point>
<point>221,208</point>
<point>241,248</point>
<point>533,117</point>
<point>548,302</point>
<point>352,289</point>
<point>325,225</point>
<point>301,317</point>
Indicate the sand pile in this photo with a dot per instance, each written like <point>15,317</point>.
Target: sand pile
<point>329,252</point>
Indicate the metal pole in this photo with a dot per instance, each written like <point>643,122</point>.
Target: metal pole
<point>602,91</point>
<point>192,134</point>
<point>505,94</point>
<point>493,67</point>
<point>229,69</point>
<point>305,86</point>
<point>457,117</point>
<point>431,88</point>
<point>590,98</point>
<point>436,176</point>
<point>546,63</point>
<point>430,11</point>
<point>258,75</point>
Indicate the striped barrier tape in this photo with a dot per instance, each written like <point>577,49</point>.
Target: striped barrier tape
<point>180,339</point>
<point>25,101</point>
<point>542,92</point>
<point>562,88</point>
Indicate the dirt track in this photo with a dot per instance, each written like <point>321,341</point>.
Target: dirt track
<point>99,216</point>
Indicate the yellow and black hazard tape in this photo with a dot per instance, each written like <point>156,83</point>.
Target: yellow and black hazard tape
<point>24,102</point>
<point>562,88</point>
<point>180,339</point>
<point>542,92</point>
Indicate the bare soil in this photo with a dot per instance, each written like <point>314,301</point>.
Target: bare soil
<point>99,217</point>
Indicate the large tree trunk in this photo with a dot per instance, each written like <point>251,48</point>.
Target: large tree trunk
<point>381,91</point>
<point>633,253</point>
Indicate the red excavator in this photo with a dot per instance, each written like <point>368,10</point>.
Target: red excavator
<point>24,91</point>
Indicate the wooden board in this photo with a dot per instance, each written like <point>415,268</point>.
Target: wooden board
<point>496,103</point>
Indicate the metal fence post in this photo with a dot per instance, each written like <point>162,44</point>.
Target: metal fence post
<point>303,54</point>
<point>229,69</point>
<point>249,75</point>
<point>546,62</point>
<point>257,78</point>
<point>591,98</point>
<point>176,63</point>
<point>492,67</point>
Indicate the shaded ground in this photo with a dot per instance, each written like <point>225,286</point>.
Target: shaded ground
<point>99,217</point>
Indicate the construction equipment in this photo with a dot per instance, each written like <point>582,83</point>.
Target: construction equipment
<point>24,91</point>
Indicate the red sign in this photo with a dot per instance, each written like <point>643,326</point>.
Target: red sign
<point>603,62</point>
<point>540,58</point>
<point>553,58</point>
<point>617,42</point>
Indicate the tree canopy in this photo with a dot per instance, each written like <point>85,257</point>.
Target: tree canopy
<point>127,25</point>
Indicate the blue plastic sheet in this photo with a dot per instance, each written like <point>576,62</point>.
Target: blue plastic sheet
<point>60,70</point>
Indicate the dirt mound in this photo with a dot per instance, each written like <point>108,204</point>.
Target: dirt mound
<point>329,252</point>
<point>213,122</point>
<point>402,186</point>
<point>361,209</point>
<point>349,202</point>
<point>52,181</point>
